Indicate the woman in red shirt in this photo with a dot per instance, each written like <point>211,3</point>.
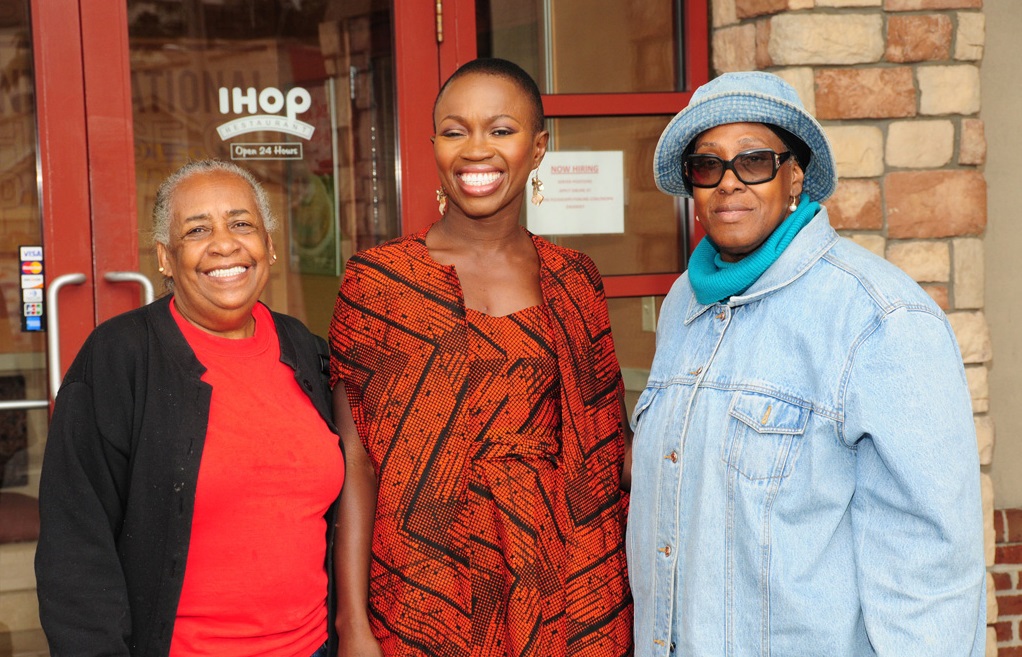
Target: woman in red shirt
<point>192,466</point>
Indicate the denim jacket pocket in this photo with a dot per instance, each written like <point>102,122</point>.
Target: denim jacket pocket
<point>645,399</point>
<point>764,436</point>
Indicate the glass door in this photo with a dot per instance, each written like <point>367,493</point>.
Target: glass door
<point>23,381</point>
<point>301,94</point>
<point>101,99</point>
<point>50,275</point>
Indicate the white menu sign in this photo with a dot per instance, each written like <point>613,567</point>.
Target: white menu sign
<point>583,194</point>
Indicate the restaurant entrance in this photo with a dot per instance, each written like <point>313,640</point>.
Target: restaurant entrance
<point>329,103</point>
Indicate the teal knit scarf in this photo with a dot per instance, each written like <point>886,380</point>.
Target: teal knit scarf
<point>715,280</point>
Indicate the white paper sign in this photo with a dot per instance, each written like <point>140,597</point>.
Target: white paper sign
<point>583,194</point>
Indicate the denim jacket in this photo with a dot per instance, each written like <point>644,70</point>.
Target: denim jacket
<point>805,477</point>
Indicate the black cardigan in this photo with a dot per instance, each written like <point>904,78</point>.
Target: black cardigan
<point>117,489</point>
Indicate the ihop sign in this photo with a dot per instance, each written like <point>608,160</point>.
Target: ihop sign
<point>269,110</point>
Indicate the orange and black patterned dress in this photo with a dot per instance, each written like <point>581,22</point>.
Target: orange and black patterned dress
<point>498,444</point>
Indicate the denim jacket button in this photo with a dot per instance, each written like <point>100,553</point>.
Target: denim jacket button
<point>666,550</point>
<point>673,456</point>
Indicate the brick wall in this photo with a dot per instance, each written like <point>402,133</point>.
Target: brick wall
<point>1007,575</point>
<point>896,85</point>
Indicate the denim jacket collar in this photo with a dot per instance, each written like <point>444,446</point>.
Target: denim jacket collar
<point>808,247</point>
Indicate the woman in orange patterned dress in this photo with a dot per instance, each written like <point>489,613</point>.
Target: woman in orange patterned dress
<point>479,400</point>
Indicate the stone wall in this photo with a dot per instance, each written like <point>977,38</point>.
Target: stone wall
<point>896,85</point>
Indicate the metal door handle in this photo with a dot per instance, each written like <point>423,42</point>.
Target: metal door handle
<point>23,404</point>
<point>133,277</point>
<point>53,328</point>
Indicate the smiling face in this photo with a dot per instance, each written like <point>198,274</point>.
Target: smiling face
<point>218,253</point>
<point>485,145</point>
<point>740,217</point>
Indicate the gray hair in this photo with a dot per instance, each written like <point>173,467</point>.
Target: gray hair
<point>165,195</point>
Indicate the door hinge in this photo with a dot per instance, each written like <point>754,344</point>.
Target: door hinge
<point>439,21</point>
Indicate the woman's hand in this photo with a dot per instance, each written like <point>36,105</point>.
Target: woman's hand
<point>360,642</point>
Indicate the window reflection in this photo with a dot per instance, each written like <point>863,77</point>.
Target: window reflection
<point>653,239</point>
<point>586,46</point>
<point>228,19</point>
<point>22,353</point>
<point>300,92</point>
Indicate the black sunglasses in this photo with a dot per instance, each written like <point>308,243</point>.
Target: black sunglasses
<point>751,167</point>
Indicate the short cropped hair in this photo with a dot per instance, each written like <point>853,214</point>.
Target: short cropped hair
<point>508,70</point>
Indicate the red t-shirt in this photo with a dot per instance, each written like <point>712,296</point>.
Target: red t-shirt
<point>255,581</point>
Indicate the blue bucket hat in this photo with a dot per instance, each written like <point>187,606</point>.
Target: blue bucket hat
<point>747,97</point>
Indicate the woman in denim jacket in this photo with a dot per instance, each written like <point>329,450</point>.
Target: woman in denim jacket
<point>805,477</point>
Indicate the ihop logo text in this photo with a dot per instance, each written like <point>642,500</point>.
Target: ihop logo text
<point>266,110</point>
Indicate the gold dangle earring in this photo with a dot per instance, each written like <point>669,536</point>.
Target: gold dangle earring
<point>537,189</point>
<point>793,205</point>
<point>441,197</point>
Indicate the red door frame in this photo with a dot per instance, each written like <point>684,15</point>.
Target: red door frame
<point>459,45</point>
<point>417,80</point>
<point>86,159</point>
<point>63,162</point>
<point>109,123</point>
